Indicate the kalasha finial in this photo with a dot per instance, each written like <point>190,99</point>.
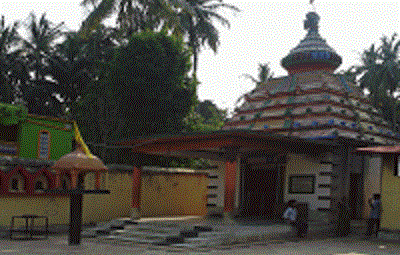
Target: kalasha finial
<point>312,4</point>
<point>311,23</point>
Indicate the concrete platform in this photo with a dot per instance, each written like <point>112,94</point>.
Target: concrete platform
<point>235,231</point>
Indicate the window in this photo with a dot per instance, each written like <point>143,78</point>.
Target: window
<point>44,145</point>
<point>301,184</point>
<point>65,182</point>
<point>39,185</point>
<point>16,183</point>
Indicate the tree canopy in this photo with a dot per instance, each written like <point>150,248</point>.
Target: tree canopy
<point>145,89</point>
<point>205,116</point>
<point>194,19</point>
<point>379,74</point>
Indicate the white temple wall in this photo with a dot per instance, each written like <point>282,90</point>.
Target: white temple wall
<point>316,176</point>
<point>372,180</point>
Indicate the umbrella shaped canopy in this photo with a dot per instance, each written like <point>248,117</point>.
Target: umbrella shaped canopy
<point>79,161</point>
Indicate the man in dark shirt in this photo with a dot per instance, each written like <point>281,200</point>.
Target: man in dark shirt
<point>374,217</point>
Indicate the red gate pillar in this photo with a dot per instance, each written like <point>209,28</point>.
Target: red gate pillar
<point>136,188</point>
<point>230,188</point>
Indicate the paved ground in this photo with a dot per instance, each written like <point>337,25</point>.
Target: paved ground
<point>318,242</point>
<point>59,245</point>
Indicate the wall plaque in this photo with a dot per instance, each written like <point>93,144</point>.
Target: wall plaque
<point>301,184</point>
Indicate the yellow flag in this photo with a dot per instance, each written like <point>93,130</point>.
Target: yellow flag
<point>79,140</point>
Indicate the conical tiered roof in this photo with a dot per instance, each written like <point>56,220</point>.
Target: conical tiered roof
<point>312,53</point>
<point>312,102</point>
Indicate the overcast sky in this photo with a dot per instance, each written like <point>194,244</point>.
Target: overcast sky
<point>263,32</point>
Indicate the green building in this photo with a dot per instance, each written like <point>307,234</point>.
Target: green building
<point>29,136</point>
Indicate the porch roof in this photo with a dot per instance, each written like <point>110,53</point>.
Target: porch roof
<point>224,144</point>
<point>380,149</point>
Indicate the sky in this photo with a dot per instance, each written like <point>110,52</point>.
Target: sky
<point>262,32</point>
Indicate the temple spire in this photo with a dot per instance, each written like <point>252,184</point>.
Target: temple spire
<point>312,53</point>
<point>311,23</point>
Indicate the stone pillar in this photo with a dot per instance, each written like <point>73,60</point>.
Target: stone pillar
<point>230,188</point>
<point>58,179</point>
<point>136,188</point>
<point>97,181</point>
<point>75,225</point>
<point>74,179</point>
<point>339,178</point>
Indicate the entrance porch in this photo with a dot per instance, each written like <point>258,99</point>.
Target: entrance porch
<point>252,164</point>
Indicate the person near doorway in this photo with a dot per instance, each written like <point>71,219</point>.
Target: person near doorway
<point>373,222</point>
<point>291,216</point>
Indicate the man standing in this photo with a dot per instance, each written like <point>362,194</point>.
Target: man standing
<point>291,216</point>
<point>374,217</point>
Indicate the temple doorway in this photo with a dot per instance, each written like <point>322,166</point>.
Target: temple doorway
<point>262,188</point>
<point>355,196</point>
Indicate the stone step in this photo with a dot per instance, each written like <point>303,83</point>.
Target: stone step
<point>186,245</point>
<point>136,240</point>
<point>202,229</point>
<point>149,228</point>
<point>188,234</point>
<point>147,234</point>
<point>197,240</point>
<point>204,242</point>
<point>212,234</point>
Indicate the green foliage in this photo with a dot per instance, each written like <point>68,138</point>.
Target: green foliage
<point>151,73</point>
<point>133,16</point>
<point>48,68</point>
<point>190,18</point>
<point>380,75</point>
<point>196,21</point>
<point>264,74</point>
<point>144,90</point>
<point>10,70</point>
<point>205,116</point>
<point>12,114</point>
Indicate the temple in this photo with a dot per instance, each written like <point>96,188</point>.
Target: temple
<point>312,101</point>
<point>294,137</point>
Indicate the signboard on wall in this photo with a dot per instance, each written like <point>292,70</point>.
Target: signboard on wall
<point>301,184</point>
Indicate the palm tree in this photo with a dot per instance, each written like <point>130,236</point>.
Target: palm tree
<point>99,47</point>
<point>42,37</point>
<point>192,18</point>
<point>380,74</point>
<point>132,15</point>
<point>39,93</point>
<point>197,24</point>
<point>69,69</point>
<point>76,62</point>
<point>264,75</point>
<point>10,65</point>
